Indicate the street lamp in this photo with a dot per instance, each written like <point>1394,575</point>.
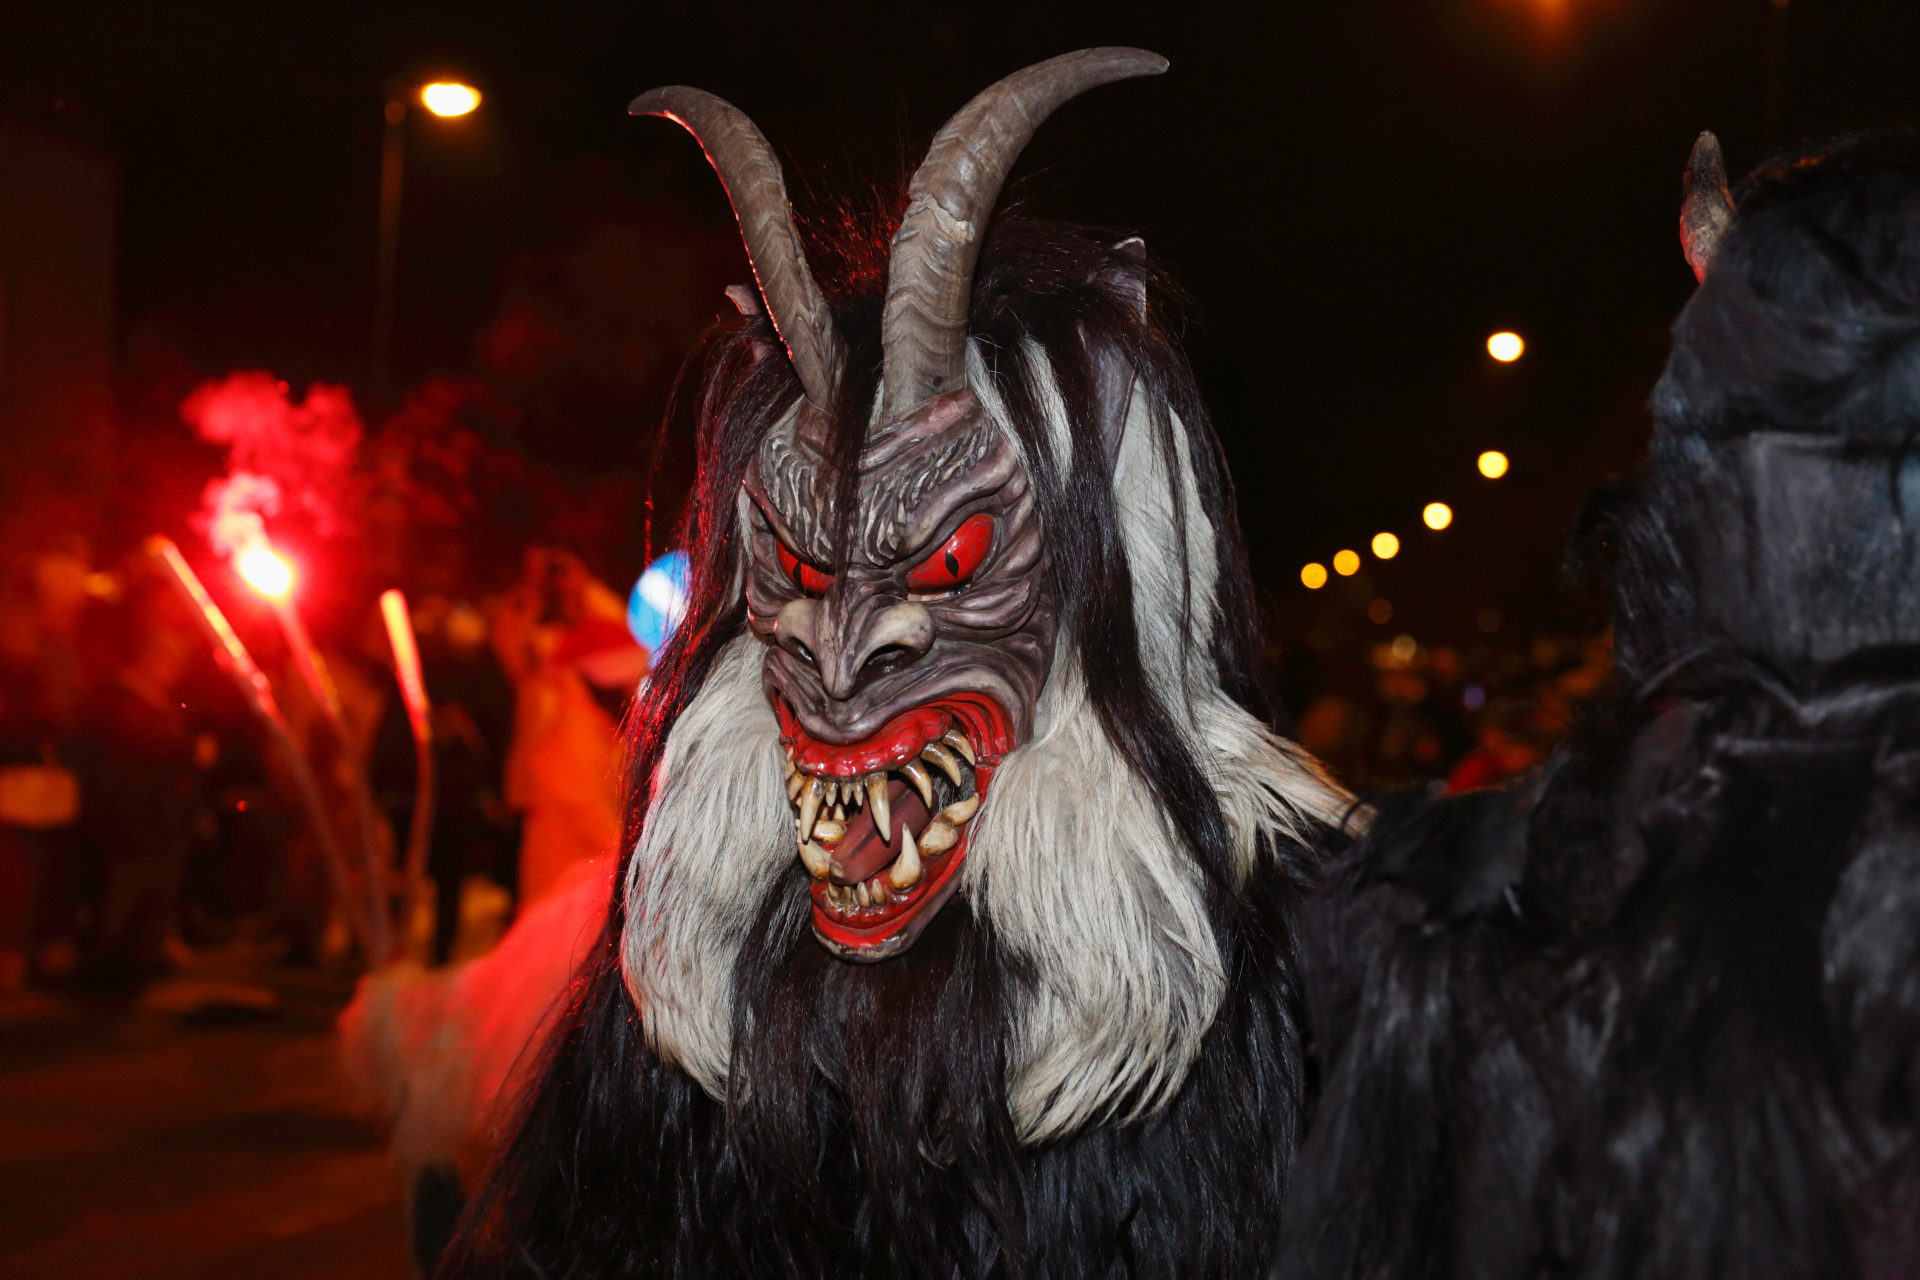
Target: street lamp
<point>446,99</point>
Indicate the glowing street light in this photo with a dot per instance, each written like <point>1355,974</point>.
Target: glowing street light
<point>1346,563</point>
<point>1492,464</point>
<point>1314,576</point>
<point>1506,346</point>
<point>449,98</point>
<point>444,98</point>
<point>1436,515</point>
<point>265,570</point>
<point>1386,546</point>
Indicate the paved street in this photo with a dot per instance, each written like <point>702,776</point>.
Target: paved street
<point>138,1145</point>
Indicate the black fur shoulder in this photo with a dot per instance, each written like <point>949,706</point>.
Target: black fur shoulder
<point>1653,1015</point>
<point>1657,1014</point>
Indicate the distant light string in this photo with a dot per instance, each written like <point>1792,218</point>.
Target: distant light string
<point>1386,544</point>
<point>1506,347</point>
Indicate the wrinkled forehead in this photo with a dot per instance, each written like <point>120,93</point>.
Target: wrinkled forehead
<point>944,454</point>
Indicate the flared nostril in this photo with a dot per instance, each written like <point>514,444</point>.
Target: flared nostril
<point>862,645</point>
<point>886,658</point>
<point>796,630</point>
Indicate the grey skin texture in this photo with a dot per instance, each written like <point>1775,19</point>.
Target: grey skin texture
<point>847,661</point>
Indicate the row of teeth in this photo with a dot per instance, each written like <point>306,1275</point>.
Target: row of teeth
<point>905,871</point>
<point>822,822</point>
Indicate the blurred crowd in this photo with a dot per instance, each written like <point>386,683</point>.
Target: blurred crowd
<point>148,819</point>
<point>1399,713</point>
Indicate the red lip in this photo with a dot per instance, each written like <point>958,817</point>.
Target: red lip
<point>891,924</point>
<point>899,739</point>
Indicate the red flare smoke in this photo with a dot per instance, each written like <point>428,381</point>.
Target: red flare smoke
<point>286,459</point>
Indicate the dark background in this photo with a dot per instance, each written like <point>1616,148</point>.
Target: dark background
<point>1355,193</point>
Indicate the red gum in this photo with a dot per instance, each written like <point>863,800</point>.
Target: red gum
<point>900,739</point>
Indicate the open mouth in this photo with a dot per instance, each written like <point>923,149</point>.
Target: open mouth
<point>883,824</point>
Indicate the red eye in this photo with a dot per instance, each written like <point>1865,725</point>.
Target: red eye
<point>800,573</point>
<point>954,560</point>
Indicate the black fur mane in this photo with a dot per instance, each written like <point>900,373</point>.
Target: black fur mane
<point>1656,1013</point>
<point>874,1139</point>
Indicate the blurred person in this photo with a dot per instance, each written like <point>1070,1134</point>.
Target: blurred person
<point>64,585</point>
<point>438,1054</point>
<point>439,1057</point>
<point>302,905</point>
<point>1335,687</point>
<point>233,879</point>
<point>1502,751</point>
<point>560,637</point>
<point>139,785</point>
<point>39,795</point>
<point>1335,729</point>
<point>472,720</point>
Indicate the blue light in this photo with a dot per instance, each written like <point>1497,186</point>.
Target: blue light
<point>659,601</point>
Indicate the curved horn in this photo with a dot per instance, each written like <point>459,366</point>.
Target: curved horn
<point>1706,207</point>
<point>751,174</point>
<point>923,326</point>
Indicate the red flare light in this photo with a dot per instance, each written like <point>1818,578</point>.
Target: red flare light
<point>265,570</point>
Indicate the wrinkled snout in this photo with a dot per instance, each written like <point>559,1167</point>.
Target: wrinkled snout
<point>853,640</point>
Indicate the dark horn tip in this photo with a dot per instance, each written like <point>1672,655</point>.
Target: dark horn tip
<point>1706,159</point>
<point>1706,208</point>
<point>1144,62</point>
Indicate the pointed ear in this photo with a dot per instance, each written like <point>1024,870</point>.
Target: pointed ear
<point>1112,392</point>
<point>746,300</point>
<point>1113,374</point>
<point>1134,283</point>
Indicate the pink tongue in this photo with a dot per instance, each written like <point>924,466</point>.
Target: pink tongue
<point>861,854</point>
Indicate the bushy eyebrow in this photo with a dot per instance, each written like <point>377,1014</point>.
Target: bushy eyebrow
<point>790,484</point>
<point>886,520</point>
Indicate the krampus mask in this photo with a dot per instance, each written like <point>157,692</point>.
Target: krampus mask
<point>908,609</point>
<point>1655,1013</point>
<point>955,935</point>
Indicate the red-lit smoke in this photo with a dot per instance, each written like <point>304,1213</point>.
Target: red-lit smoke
<point>233,510</point>
<point>286,461</point>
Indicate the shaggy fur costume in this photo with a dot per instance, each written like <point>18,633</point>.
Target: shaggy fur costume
<point>1656,1013</point>
<point>1090,1063</point>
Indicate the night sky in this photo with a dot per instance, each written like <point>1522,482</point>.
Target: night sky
<point>1355,194</point>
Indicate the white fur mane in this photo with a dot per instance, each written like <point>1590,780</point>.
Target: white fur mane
<point>1074,860</point>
